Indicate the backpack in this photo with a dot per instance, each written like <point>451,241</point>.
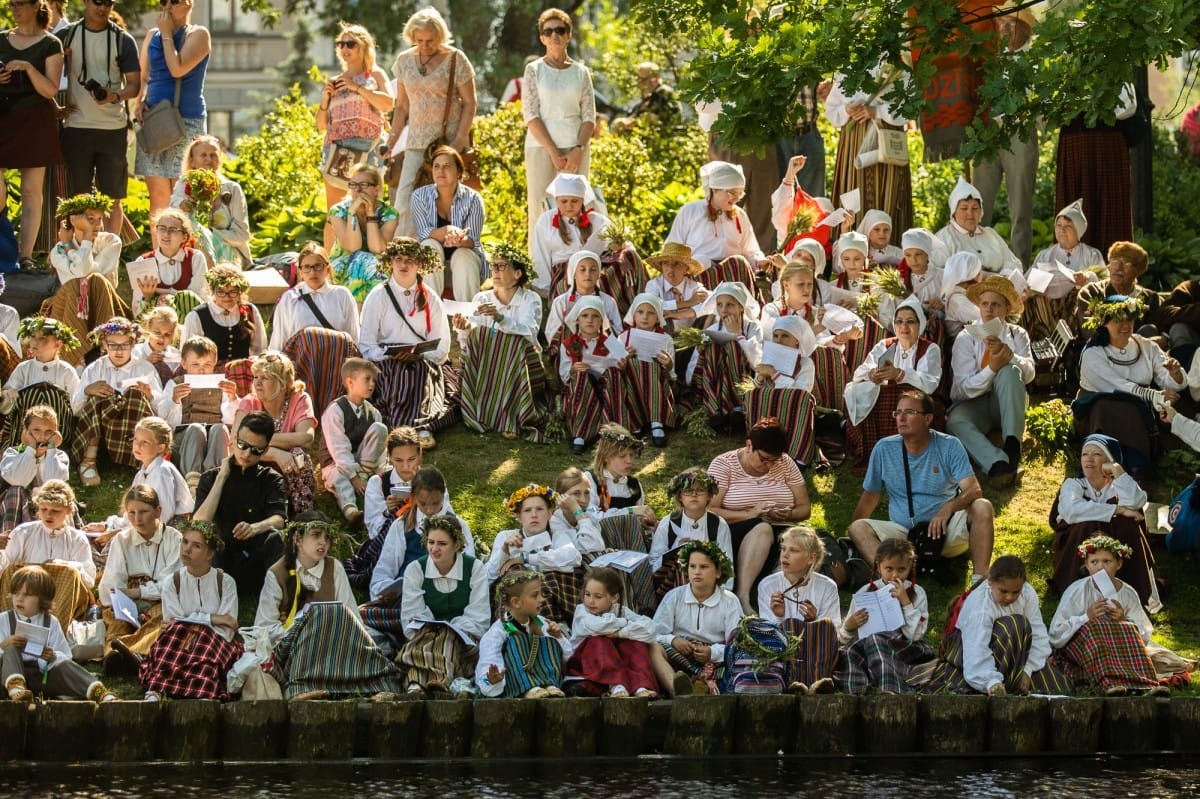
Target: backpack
<point>1184,519</point>
<point>756,655</point>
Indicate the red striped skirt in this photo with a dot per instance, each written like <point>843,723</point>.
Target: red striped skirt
<point>591,400</point>
<point>1108,654</point>
<point>319,354</point>
<point>796,410</point>
<point>1094,165</point>
<point>720,366</point>
<point>654,391</point>
<point>603,662</point>
<point>884,187</point>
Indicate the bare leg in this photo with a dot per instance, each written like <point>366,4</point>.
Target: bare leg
<point>160,197</point>
<point>980,531</point>
<point>333,195</point>
<point>32,180</point>
<point>865,540</point>
<point>751,556</point>
<point>663,669</point>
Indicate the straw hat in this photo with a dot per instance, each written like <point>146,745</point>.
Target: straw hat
<point>676,253</point>
<point>997,284</point>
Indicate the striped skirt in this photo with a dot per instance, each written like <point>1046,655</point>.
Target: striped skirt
<point>435,655</point>
<point>884,187</point>
<point>623,276</point>
<point>796,410</point>
<point>328,650</point>
<point>530,661</point>
<point>9,358</point>
<point>830,378</point>
<point>56,398</point>
<point>817,655</point>
<point>883,661</point>
<point>139,641</point>
<point>734,269</point>
<point>1094,165</point>
<point>385,618</point>
<point>603,662</point>
<point>319,354</point>
<point>111,421</point>
<point>16,507</point>
<point>591,400</point>
<point>361,565</point>
<point>862,437</point>
<point>719,368</point>
<point>83,309</point>
<point>628,532</point>
<point>189,661</point>
<point>413,394</point>
<point>1011,638</point>
<point>499,374</point>
<point>71,597</point>
<point>1107,654</point>
<point>654,391</point>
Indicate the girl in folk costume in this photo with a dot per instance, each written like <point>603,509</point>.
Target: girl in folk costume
<point>44,378</point>
<point>997,644</point>
<point>533,545</point>
<point>564,230</point>
<point>141,558</point>
<point>584,270</point>
<point>652,372</point>
<point>850,259</point>
<point>231,322</point>
<point>691,520</point>
<point>884,660</point>
<point>921,271</point>
<point>159,326</point>
<point>195,649</point>
<point>152,439</point>
<point>115,392</point>
<point>445,605</point>
<point>793,333</point>
<point>677,286</point>
<point>86,263</point>
<point>805,604</point>
<point>597,388</point>
<point>907,359</point>
<point>405,331</point>
<point>1044,309</point>
<point>965,233</point>
<point>573,516</point>
<point>615,649</point>
<point>719,365</point>
<point>717,230</point>
<point>962,270</point>
<point>502,375</point>
<point>39,457</point>
<point>786,393</point>
<point>58,547</point>
<point>321,646</point>
<point>522,654</point>
<point>876,225</point>
<point>315,302</point>
<point>223,227</point>
<point>180,272</point>
<point>695,620</point>
<point>1101,634</point>
<point>800,292</point>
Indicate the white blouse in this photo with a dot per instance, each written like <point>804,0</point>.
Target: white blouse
<point>381,325</point>
<point>79,259</point>
<point>585,533</point>
<point>1077,260</point>
<point>102,370</point>
<point>548,248</point>
<point>258,338</point>
<point>474,619</point>
<point>198,600</point>
<point>57,373</point>
<point>971,378</point>
<point>272,594</point>
<point>916,613</point>
<point>562,98</point>
<point>22,468</point>
<point>1079,502</point>
<point>556,318</point>
<point>620,621</point>
<point>170,270</point>
<point>522,316</point>
<point>984,242</point>
<point>130,554</point>
<point>560,555</point>
<point>33,543</point>
<point>1098,372</point>
<point>715,240</point>
<point>979,611</point>
<point>1080,595</point>
<point>819,590</point>
<point>292,313</point>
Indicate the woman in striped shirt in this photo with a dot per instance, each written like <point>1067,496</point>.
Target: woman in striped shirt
<point>448,217</point>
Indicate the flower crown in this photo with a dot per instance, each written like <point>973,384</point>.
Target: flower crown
<point>304,528</point>
<point>623,440</point>
<point>70,206</point>
<point>1101,310</point>
<point>505,251</point>
<point>212,538</point>
<point>713,551</point>
<point>514,577</point>
<point>447,522</point>
<point>412,250</point>
<point>33,325</point>
<point>226,278</point>
<point>513,503</point>
<point>117,326</point>
<point>1103,542</point>
<point>694,477</point>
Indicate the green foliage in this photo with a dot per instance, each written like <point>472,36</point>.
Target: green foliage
<point>290,229</point>
<point>500,139</point>
<point>1050,425</point>
<point>613,48</point>
<point>1174,247</point>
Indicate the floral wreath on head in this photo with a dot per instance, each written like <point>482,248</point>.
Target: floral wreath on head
<point>715,554</point>
<point>208,530</point>
<point>1105,543</point>
<point>446,522</point>
<point>514,577</point>
<point>225,279</point>
<point>117,326</point>
<point>505,251</point>
<point>412,250</point>
<point>695,477</point>
<point>304,528</point>
<point>47,326</point>
<point>624,440</point>
<point>513,503</point>
<point>70,206</point>
<point>1101,310</point>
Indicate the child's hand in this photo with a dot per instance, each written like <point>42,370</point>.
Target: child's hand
<point>857,619</point>
<point>224,620</point>
<point>765,371</point>
<point>229,389</point>
<point>702,652</point>
<point>144,388</point>
<point>513,543</point>
<point>664,359</point>
<point>99,389</point>
<point>778,604</point>
<point>47,654</point>
<point>807,610</point>
<point>682,645</point>
<point>1115,611</point>
<point>180,391</point>
<point>495,674</point>
<point>360,487</point>
<point>1024,683</point>
<point>1097,609</point>
<point>154,356</point>
<point>1167,413</point>
<point>11,641</point>
<point>997,690</point>
<point>579,367</point>
<point>147,285</point>
<point>553,629</point>
<point>900,594</point>
<point>568,505</point>
<point>393,501</point>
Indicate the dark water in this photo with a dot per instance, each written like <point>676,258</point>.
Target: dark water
<point>910,778</point>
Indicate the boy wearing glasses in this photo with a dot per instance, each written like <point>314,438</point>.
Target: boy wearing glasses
<point>929,481</point>
<point>246,502</point>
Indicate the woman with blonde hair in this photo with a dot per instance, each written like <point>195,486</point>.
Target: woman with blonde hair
<point>222,224</point>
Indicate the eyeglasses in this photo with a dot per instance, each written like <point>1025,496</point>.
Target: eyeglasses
<point>900,413</point>
<point>231,294</point>
<point>103,3</point>
<point>767,458</point>
<point>561,31</point>
<point>319,266</point>
<point>163,230</point>
<point>360,186</point>
<point>117,347</point>
<point>348,44</point>
<point>256,451</point>
<point>164,3</point>
<point>736,194</point>
<point>905,322</point>
<point>500,267</point>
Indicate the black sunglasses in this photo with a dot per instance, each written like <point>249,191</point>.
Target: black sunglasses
<point>103,3</point>
<point>164,3</point>
<point>244,447</point>
<point>563,31</point>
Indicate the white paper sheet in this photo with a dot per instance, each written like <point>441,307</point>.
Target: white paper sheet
<point>782,359</point>
<point>852,201</point>
<point>204,381</point>
<point>838,319</point>
<point>142,267</point>
<point>884,613</point>
<point>35,635</point>
<point>1039,279</point>
<point>981,331</point>
<point>124,608</point>
<point>1108,588</point>
<point>454,307</point>
<point>130,382</point>
<point>625,560</point>
<point>670,305</point>
<point>648,344</point>
<point>834,218</point>
<point>537,542</point>
<point>1018,280</point>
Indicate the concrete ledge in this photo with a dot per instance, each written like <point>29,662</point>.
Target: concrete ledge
<point>254,730</point>
<point>701,726</point>
<point>390,730</point>
<point>190,729</point>
<point>63,732</point>
<point>14,721</point>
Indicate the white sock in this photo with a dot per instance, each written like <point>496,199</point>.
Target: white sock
<point>579,441</point>
<point>656,426</point>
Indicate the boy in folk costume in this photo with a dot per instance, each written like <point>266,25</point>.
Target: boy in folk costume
<point>201,440</point>
<point>352,438</point>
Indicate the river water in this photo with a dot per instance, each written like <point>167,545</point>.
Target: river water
<point>652,778</point>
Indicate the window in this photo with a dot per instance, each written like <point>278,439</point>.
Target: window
<point>226,16</point>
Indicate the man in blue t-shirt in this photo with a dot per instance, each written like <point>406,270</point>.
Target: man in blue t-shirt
<point>944,490</point>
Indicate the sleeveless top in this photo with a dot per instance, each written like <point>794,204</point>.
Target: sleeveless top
<point>162,83</point>
<point>452,605</point>
<point>232,342</point>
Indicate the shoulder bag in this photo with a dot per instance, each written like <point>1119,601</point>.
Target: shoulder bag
<point>162,124</point>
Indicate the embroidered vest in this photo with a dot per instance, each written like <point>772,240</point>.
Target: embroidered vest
<point>232,342</point>
<point>326,593</point>
<point>185,271</point>
<point>452,605</point>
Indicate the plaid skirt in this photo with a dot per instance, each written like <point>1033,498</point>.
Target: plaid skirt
<point>623,276</point>
<point>237,371</point>
<point>414,394</point>
<point>720,366</point>
<point>563,592</point>
<point>436,654</point>
<point>111,420</point>
<point>1094,165</point>
<point>709,673</point>
<point>654,391</point>
<point>1011,639</point>
<point>817,655</point>
<point>71,597</point>
<point>627,532</point>
<point>503,385</point>
<point>1107,654</point>
<point>83,304</point>
<point>16,507</point>
<point>590,400</point>
<point>530,661</point>
<point>883,186</point>
<point>797,412</point>
<point>328,650</point>
<point>189,661</point>
<point>56,398</point>
<point>883,661</point>
<point>319,354</point>
<point>603,662</point>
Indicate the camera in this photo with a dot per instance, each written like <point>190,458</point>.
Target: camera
<point>96,89</point>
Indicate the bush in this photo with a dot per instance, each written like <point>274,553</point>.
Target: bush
<point>1050,424</point>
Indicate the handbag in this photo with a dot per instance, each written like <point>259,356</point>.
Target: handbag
<point>260,686</point>
<point>882,145</point>
<point>162,124</point>
<point>339,161</point>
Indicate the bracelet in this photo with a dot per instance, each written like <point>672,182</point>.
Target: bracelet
<point>629,511</point>
<point>374,219</point>
<point>578,512</point>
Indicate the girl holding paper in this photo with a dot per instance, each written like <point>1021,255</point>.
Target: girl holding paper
<point>1101,634</point>
<point>729,355</point>
<point>592,366</point>
<point>565,229</point>
<point>651,367</point>
<point>784,383</point>
<point>533,545</point>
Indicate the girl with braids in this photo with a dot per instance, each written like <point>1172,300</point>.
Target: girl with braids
<point>195,650</point>
<point>445,606</point>
<point>322,648</point>
<point>597,387</point>
<point>651,373</point>
<point>44,378</point>
<point>228,319</point>
<point>405,331</point>
<point>522,654</point>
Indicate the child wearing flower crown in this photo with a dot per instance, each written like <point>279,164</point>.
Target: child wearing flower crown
<point>228,319</point>
<point>564,230</point>
<point>533,545</point>
<point>651,373</point>
<point>43,378</point>
<point>596,387</point>
<point>729,354</point>
<point>1101,635</point>
<point>180,273</point>
<point>691,490</point>
<point>115,392</point>
<point>522,654</point>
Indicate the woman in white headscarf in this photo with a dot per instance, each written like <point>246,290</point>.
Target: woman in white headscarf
<point>906,360</point>
<point>962,269</point>
<point>966,232</point>
<point>1044,308</point>
<point>876,225</point>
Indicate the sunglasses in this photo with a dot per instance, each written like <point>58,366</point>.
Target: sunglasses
<point>165,3</point>
<point>348,44</point>
<point>102,3</point>
<point>555,31</point>
<point>256,451</point>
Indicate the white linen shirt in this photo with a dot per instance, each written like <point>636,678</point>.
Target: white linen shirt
<point>548,247</point>
<point>129,554</point>
<point>1072,612</point>
<point>619,621</point>
<point>292,313</point>
<point>1079,502</point>
<point>715,240</point>
<point>57,373</point>
<point>33,544</point>
<point>223,318</point>
<point>556,317</point>
<point>979,611</point>
<point>395,550</point>
<point>79,259</point>
<point>102,370</point>
<point>522,316</point>
<point>971,379</point>
<point>381,326</point>
<point>819,590</point>
<point>711,621</point>
<point>491,652</point>
<point>198,600</point>
<point>560,556</point>
<point>22,468</point>
<point>916,613</point>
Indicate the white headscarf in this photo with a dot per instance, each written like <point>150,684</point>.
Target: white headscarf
<point>918,238</point>
<point>569,185</point>
<point>1074,212</point>
<point>813,248</point>
<point>871,219</point>
<point>912,302</point>
<point>963,191</point>
<point>573,262</point>
<point>738,292</point>
<point>960,267</point>
<point>800,330</point>
<point>722,175</point>
<point>645,298</point>
<point>852,241</point>
<point>589,303</point>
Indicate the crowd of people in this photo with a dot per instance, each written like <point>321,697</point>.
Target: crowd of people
<point>917,343</point>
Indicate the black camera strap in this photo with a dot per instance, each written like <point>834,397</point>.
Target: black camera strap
<point>912,516</point>
<point>83,68</point>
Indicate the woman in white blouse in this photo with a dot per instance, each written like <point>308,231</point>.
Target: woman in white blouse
<point>965,232</point>
<point>502,370</point>
<point>717,229</point>
<point>314,301</point>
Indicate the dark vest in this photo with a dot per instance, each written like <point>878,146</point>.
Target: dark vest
<point>635,491</point>
<point>356,428</point>
<point>452,605</point>
<point>674,528</point>
<point>232,342</point>
<point>202,405</point>
<point>326,593</point>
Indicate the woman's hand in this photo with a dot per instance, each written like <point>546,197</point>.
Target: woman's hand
<point>884,373</point>
<point>573,159</point>
<point>224,620</point>
<point>285,460</point>
<point>1175,370</point>
<point>860,113</point>
<point>166,25</point>
<point>807,610</point>
<point>487,309</point>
